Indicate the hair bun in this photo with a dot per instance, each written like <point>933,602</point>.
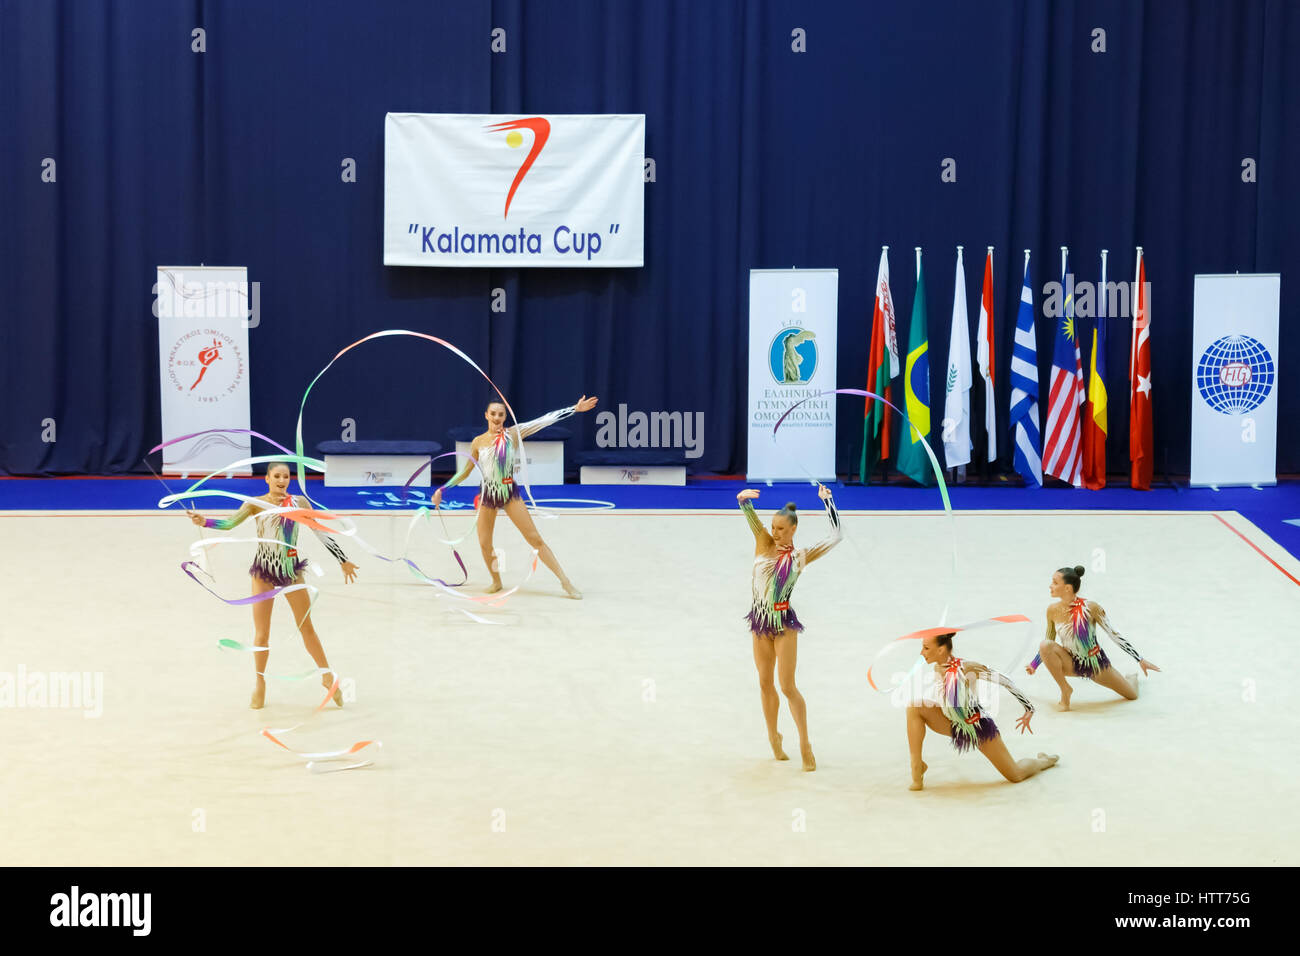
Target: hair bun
<point>791,506</point>
<point>1078,569</point>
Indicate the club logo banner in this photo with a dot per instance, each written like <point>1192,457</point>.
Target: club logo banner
<point>792,339</point>
<point>203,322</point>
<point>1234,379</point>
<point>478,190</point>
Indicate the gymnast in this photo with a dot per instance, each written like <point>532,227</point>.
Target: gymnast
<point>494,450</point>
<point>950,707</point>
<point>1073,622</point>
<point>276,564</point>
<point>775,628</point>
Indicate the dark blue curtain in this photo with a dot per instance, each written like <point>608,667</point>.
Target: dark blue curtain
<point>764,158</point>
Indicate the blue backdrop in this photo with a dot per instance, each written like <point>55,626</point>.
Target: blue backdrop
<point>765,157</point>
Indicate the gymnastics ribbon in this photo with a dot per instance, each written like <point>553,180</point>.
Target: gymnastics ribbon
<point>935,632</point>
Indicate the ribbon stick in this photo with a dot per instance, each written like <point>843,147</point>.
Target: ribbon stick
<point>934,463</point>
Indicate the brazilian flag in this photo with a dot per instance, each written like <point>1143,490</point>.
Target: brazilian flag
<point>912,459</point>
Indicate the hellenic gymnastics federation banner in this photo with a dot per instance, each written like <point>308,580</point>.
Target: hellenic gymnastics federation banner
<point>503,190</point>
<point>1234,379</point>
<point>792,325</point>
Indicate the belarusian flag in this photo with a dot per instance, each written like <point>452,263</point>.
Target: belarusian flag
<point>1139,384</point>
<point>884,342</point>
<point>912,459</point>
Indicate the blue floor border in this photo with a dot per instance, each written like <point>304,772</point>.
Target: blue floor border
<point>1268,508</point>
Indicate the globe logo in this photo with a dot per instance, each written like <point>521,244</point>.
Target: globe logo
<point>792,356</point>
<point>1235,374</point>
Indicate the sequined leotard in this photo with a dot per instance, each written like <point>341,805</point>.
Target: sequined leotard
<point>775,575</point>
<point>954,694</point>
<point>496,460</point>
<point>277,564</point>
<point>1078,635</point>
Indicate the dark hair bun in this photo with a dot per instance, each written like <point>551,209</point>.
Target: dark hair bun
<point>789,506</point>
<point>1078,570</point>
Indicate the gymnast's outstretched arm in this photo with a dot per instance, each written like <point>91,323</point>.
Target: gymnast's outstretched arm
<point>1099,615</point>
<point>223,524</point>
<point>997,677</point>
<point>837,533</point>
<point>762,540</point>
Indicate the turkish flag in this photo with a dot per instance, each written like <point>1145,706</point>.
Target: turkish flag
<point>1139,383</point>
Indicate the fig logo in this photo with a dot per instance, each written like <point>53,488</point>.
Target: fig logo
<point>514,139</point>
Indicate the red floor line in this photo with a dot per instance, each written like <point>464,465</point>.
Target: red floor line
<point>1294,579</point>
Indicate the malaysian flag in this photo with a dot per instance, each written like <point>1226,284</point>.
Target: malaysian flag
<point>1063,452</point>
<point>1024,389</point>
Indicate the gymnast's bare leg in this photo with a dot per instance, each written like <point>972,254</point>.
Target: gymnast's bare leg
<point>787,652</point>
<point>517,512</point>
<point>765,661</point>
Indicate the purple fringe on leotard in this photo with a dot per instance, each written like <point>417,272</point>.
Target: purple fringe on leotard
<point>789,622</point>
<point>492,496</point>
<point>278,580</point>
<point>1081,668</point>
<point>985,730</point>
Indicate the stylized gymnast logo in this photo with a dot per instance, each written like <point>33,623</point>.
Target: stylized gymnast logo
<point>541,133</point>
<point>206,357</point>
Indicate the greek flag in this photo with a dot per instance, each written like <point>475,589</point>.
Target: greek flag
<point>1024,390</point>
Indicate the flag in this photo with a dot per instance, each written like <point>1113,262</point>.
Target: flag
<point>956,403</point>
<point>912,459</point>
<point>1139,384</point>
<point>1062,453</point>
<point>985,355</point>
<point>1094,411</point>
<point>1024,389</point>
<point>884,340</point>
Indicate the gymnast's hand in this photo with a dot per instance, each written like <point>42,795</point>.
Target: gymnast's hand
<point>199,520</point>
<point>437,498</point>
<point>823,492</point>
<point>1146,665</point>
<point>585,404</point>
<point>747,493</point>
<point>349,571</point>
<point>1023,721</point>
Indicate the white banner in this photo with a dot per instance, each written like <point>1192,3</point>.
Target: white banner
<point>203,365</point>
<point>1234,379</point>
<point>793,317</point>
<point>506,190</point>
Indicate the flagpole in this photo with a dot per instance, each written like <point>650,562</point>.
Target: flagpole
<point>884,477</point>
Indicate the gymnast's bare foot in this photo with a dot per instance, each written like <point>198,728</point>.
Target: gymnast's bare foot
<point>809,762</point>
<point>259,696</point>
<point>495,586</point>
<point>571,591</point>
<point>1064,702</point>
<point>328,681</point>
<point>918,779</point>
<point>777,751</point>
<point>1133,679</point>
